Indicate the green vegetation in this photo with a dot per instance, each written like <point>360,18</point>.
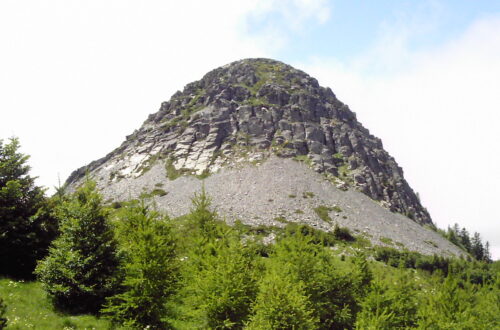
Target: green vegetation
<point>3,319</point>
<point>149,268</point>
<point>155,192</point>
<point>307,194</point>
<point>80,270</point>
<point>431,243</point>
<point>339,156</point>
<point>343,233</point>
<point>26,222</point>
<point>303,158</point>
<point>28,308</point>
<point>281,219</point>
<point>187,112</point>
<point>387,240</point>
<point>473,245</point>
<point>174,173</point>
<point>323,213</point>
<point>140,269</point>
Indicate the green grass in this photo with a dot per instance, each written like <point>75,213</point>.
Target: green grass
<point>336,209</point>
<point>281,219</point>
<point>387,240</point>
<point>304,159</point>
<point>322,212</point>
<point>29,308</point>
<point>308,194</point>
<point>431,243</point>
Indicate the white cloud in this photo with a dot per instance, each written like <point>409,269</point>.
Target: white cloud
<point>438,115</point>
<point>77,76</point>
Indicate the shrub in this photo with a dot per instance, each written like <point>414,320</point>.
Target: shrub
<point>322,212</point>
<point>343,233</point>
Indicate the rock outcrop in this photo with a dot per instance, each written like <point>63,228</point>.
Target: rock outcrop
<point>248,111</point>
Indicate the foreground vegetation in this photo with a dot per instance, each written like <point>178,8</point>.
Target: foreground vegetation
<point>130,266</point>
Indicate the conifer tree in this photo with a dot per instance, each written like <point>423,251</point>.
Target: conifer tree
<point>282,302</point>
<point>25,228</point>
<point>220,271</point>
<point>477,248</point>
<point>150,268</point>
<point>332,295</point>
<point>80,270</point>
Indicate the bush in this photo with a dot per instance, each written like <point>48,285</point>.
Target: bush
<point>316,236</point>
<point>80,270</point>
<point>150,269</point>
<point>343,234</point>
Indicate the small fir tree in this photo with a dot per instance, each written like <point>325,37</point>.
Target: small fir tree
<point>150,268</point>
<point>220,281</point>
<point>225,285</point>
<point>80,270</point>
<point>282,303</point>
<point>332,294</point>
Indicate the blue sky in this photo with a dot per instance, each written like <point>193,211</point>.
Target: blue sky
<point>354,26</point>
<point>78,76</point>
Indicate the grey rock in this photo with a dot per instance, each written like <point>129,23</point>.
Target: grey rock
<point>257,107</point>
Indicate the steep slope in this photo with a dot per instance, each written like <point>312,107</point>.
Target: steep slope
<point>252,112</point>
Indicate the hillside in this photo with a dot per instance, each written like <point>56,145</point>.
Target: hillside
<point>259,132</point>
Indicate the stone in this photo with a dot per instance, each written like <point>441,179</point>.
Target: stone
<point>290,114</point>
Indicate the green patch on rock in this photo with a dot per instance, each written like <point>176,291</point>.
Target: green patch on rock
<point>323,213</point>
<point>307,194</point>
<point>386,240</point>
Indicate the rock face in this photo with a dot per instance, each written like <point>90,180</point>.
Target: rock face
<point>247,111</point>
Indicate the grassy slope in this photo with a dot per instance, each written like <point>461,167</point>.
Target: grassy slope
<point>29,308</point>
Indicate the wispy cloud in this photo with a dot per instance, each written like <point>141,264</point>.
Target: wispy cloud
<point>437,113</point>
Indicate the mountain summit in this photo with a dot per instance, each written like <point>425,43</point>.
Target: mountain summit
<point>271,144</point>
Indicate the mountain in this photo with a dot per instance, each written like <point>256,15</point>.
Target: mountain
<point>271,146</point>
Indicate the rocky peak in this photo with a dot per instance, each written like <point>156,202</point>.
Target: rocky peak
<point>249,110</point>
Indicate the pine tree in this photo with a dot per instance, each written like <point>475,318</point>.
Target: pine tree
<point>219,271</point>
<point>282,303</point>
<point>80,270</point>
<point>465,239</point>
<point>477,248</point>
<point>26,226</point>
<point>150,268</point>
<point>332,294</point>
<point>226,285</point>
